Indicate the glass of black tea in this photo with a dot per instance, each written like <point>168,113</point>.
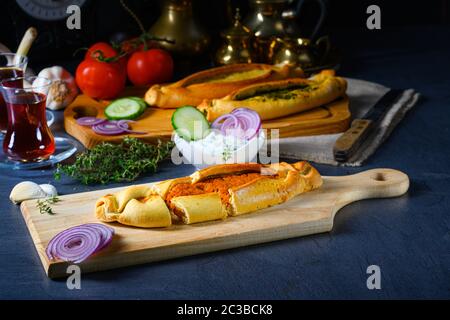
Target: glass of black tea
<point>12,65</point>
<point>28,137</point>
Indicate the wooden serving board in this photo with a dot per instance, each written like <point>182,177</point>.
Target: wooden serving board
<point>306,214</point>
<point>332,118</point>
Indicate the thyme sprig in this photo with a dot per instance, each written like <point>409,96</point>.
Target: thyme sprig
<point>45,206</point>
<point>107,162</point>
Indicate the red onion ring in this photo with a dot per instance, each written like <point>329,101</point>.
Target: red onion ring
<point>106,232</point>
<point>250,120</point>
<point>231,125</point>
<point>217,125</point>
<point>108,128</point>
<point>242,122</point>
<point>123,124</point>
<point>89,121</point>
<point>78,243</point>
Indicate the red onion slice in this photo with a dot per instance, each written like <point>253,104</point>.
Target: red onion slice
<point>217,125</point>
<point>78,243</point>
<point>108,128</point>
<point>251,120</point>
<point>106,232</point>
<point>123,124</point>
<point>90,121</point>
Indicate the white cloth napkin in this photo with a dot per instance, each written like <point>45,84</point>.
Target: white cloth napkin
<point>363,96</point>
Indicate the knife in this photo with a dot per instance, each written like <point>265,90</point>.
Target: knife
<point>351,140</point>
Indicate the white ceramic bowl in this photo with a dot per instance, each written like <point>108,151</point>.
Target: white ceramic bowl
<point>202,156</point>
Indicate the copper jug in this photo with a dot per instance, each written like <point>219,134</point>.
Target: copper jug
<point>177,24</point>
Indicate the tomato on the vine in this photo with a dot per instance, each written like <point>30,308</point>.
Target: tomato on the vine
<point>100,80</point>
<point>102,51</point>
<point>100,48</point>
<point>148,67</point>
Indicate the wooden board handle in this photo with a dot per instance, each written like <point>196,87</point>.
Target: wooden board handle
<point>376,183</point>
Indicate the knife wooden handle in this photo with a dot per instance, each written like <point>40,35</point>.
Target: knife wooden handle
<point>351,139</point>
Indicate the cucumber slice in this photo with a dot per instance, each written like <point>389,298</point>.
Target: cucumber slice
<point>124,109</point>
<point>190,123</point>
<point>141,102</point>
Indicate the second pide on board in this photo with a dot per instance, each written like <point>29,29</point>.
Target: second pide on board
<point>281,98</point>
<point>212,193</point>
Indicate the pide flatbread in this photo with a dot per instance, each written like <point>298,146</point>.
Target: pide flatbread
<point>214,83</point>
<point>281,98</point>
<point>214,193</point>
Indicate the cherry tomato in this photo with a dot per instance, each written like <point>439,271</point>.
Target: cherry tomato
<point>150,67</point>
<point>100,80</point>
<point>107,52</point>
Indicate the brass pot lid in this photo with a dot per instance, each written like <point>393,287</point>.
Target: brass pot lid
<point>238,30</point>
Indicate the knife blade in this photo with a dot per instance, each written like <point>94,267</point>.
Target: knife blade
<point>351,140</point>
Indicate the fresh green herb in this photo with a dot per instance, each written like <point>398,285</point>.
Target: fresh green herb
<point>44,206</point>
<point>227,153</point>
<point>283,94</point>
<point>109,162</point>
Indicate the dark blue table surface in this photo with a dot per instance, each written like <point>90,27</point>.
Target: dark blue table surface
<point>408,237</point>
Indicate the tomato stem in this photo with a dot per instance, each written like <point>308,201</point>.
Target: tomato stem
<point>100,56</point>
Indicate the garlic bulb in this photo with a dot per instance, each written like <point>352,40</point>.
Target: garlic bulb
<point>63,89</point>
<point>29,190</point>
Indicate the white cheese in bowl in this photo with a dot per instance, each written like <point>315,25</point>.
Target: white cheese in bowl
<point>217,148</point>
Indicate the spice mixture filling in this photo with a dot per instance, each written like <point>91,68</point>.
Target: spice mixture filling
<point>219,184</point>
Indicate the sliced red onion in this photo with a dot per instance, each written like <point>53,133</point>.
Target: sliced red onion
<point>218,125</point>
<point>78,243</point>
<point>106,232</point>
<point>251,120</point>
<point>90,121</point>
<point>123,124</point>
<point>108,128</point>
<point>242,122</point>
<point>232,124</point>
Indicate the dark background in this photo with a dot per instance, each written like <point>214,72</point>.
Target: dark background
<point>103,19</point>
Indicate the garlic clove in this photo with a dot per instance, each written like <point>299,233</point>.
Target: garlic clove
<point>26,190</point>
<point>49,189</point>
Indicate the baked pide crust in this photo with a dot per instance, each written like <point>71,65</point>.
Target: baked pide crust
<point>213,193</point>
<point>200,207</point>
<point>214,83</point>
<point>145,212</point>
<point>280,98</point>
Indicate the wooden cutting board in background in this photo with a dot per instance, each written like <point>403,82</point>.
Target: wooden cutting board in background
<point>306,214</point>
<point>332,118</point>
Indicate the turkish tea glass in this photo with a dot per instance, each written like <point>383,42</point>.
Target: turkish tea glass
<point>28,137</point>
<point>12,65</point>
